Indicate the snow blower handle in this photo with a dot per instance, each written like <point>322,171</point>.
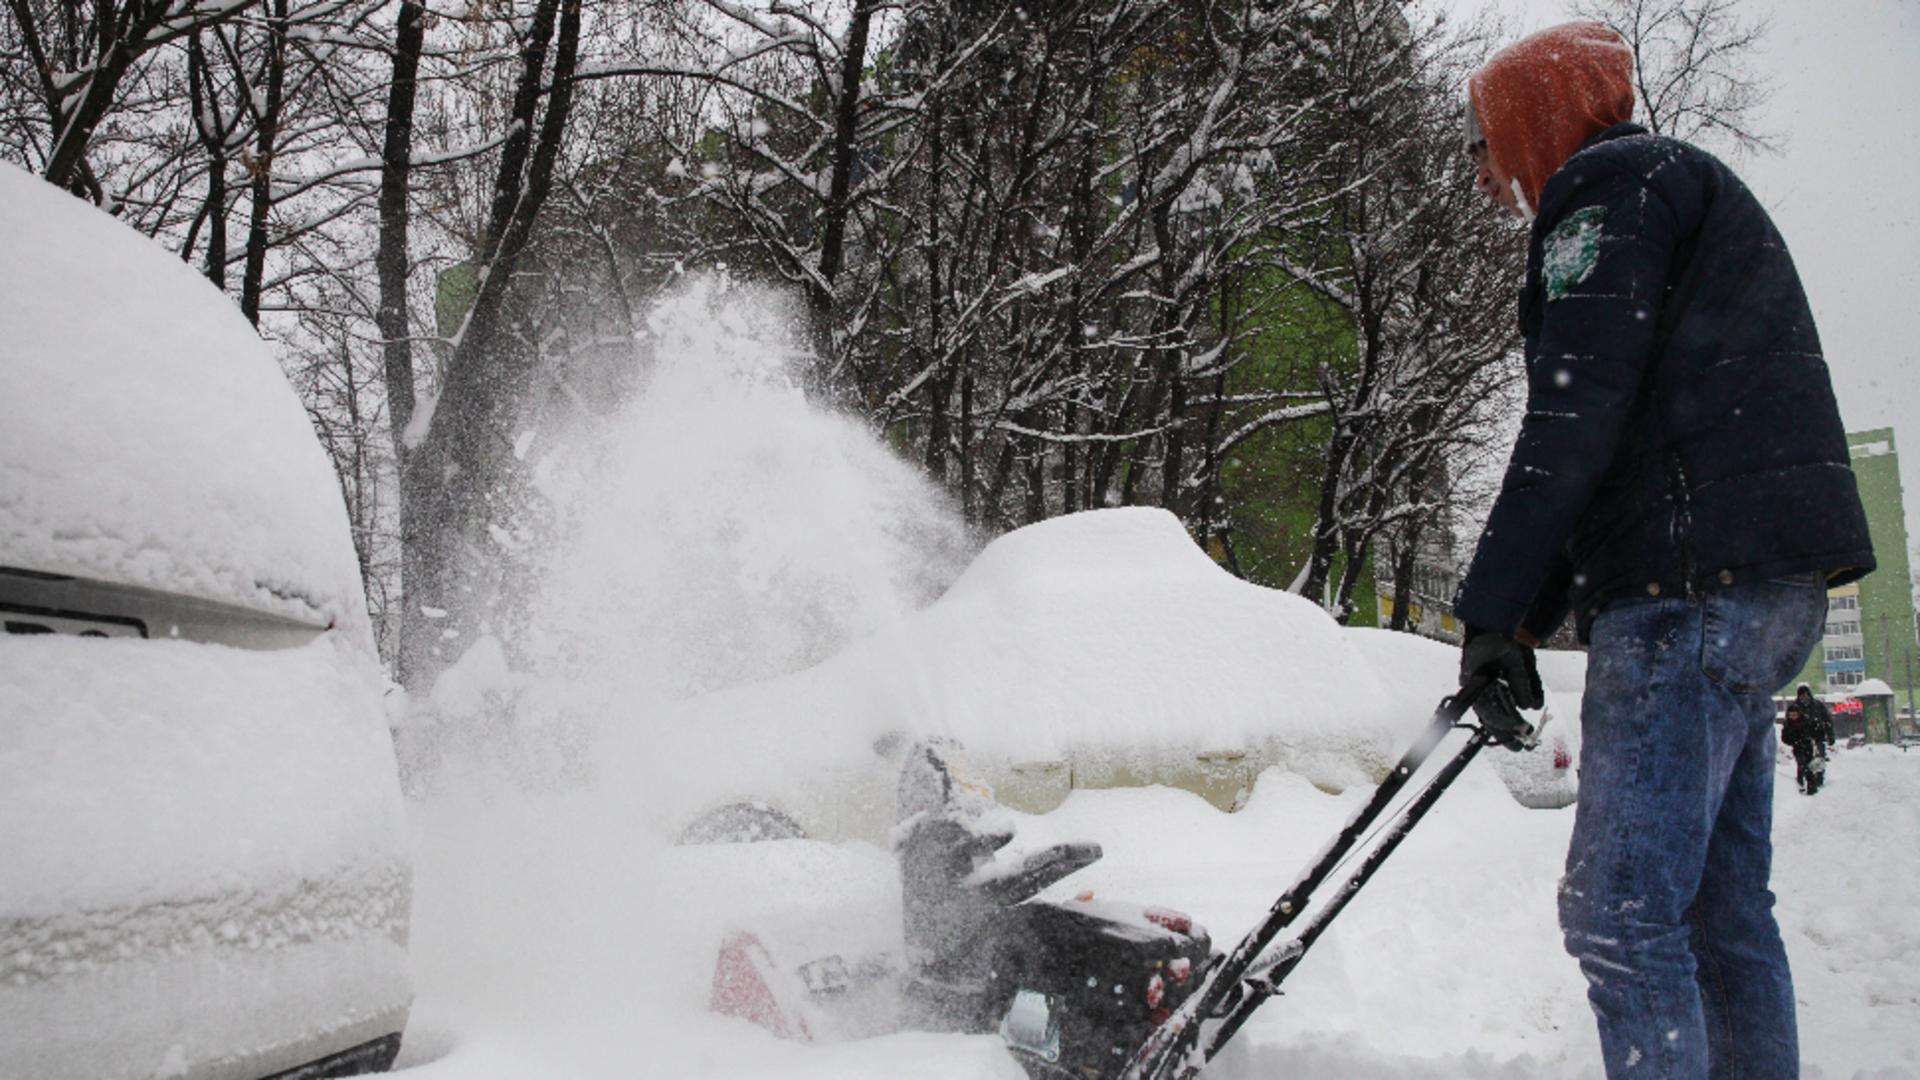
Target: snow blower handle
<point>1236,985</point>
<point>1455,705</point>
<point>1500,719</point>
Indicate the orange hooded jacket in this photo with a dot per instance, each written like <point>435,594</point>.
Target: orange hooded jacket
<point>1541,98</point>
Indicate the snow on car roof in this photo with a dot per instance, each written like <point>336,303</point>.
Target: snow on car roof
<point>147,436</point>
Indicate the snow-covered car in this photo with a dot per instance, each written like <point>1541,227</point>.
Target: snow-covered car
<point>1096,650</point>
<point>201,826</point>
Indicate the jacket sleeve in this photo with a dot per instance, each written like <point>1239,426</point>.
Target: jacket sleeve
<point>1549,608</point>
<point>1604,268</point>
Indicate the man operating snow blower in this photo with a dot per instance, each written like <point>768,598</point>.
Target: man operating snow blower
<point>1668,341</point>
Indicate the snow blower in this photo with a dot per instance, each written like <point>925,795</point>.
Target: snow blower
<point>1079,989</point>
<point>1074,986</point>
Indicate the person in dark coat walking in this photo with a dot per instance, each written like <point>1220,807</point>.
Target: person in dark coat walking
<point>1816,711</point>
<point>1668,342</point>
<point>1801,733</point>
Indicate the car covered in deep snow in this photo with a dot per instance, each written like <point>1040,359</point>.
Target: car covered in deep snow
<point>1100,649</point>
<point>201,827</point>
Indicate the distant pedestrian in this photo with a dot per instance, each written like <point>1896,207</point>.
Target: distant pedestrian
<point>1818,712</point>
<point>1800,732</point>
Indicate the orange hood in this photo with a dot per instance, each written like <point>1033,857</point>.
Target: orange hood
<point>1539,99</point>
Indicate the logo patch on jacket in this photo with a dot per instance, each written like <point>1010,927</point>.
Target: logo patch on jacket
<point>1571,250</point>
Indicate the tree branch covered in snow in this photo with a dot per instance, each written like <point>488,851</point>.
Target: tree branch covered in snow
<point>1427,272</point>
<point>1692,71</point>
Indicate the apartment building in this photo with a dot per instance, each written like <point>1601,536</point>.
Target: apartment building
<point>1871,625</point>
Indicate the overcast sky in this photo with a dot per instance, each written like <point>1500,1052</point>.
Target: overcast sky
<point>1846,107</point>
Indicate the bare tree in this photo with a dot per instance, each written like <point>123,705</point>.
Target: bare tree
<point>458,469</point>
<point>82,53</point>
<point>1089,181</point>
<point>1423,271</point>
<point>391,259</point>
<point>1693,67</point>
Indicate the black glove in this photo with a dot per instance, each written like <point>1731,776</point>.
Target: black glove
<point>1501,720</point>
<point>1505,661</point>
<point>1516,686</point>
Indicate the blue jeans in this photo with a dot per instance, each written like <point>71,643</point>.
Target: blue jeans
<point>1665,901</point>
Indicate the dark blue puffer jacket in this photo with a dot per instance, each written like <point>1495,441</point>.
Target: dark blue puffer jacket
<point>1681,432</point>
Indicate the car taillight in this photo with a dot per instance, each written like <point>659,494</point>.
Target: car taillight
<point>1561,759</point>
<point>1157,1012</point>
<point>1181,970</point>
<point>1178,922</point>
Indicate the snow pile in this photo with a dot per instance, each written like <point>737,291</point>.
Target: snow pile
<point>147,436</point>
<point>1112,627</point>
<point>1420,671</point>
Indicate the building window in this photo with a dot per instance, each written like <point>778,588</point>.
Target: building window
<point>1844,628</point>
<point>1844,603</point>
<point>1845,678</point>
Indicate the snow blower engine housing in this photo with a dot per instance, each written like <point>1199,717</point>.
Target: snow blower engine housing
<point>1074,986</point>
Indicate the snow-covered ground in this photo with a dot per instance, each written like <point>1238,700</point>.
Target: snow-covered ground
<point>547,944</point>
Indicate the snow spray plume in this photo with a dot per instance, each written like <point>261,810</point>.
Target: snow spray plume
<point>713,529</point>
